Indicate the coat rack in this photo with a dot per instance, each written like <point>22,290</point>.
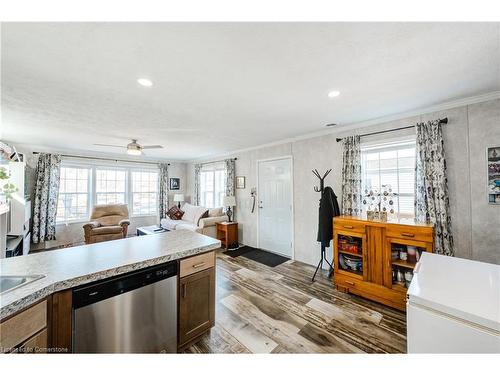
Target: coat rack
<point>321,180</point>
<point>323,248</point>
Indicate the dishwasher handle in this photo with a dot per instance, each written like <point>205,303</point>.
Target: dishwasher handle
<point>101,290</point>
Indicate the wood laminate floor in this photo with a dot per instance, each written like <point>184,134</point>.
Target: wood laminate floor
<point>279,310</point>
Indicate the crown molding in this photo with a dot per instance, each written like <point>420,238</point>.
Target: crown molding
<point>29,148</point>
<point>462,102</point>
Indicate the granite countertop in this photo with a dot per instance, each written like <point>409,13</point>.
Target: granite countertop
<point>74,266</point>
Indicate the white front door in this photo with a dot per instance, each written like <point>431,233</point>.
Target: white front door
<point>275,206</point>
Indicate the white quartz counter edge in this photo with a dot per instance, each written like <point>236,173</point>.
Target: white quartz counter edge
<point>94,262</point>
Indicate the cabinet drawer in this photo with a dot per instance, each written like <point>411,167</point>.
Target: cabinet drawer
<point>36,344</point>
<point>347,225</point>
<point>23,325</point>
<point>391,297</point>
<point>416,234</point>
<point>196,264</point>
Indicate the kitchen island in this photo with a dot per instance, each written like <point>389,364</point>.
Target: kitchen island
<point>49,298</point>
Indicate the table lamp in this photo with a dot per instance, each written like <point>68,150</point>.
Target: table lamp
<point>179,198</point>
<point>229,201</point>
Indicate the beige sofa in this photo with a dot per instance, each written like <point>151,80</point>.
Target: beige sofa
<point>193,219</point>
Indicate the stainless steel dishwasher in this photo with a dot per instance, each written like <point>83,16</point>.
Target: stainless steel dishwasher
<point>131,313</point>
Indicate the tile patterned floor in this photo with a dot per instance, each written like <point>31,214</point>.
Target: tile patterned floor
<point>279,310</point>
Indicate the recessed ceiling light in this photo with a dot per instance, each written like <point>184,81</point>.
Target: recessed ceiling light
<point>333,94</point>
<point>145,82</point>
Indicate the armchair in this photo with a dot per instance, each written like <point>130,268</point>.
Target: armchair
<point>108,222</point>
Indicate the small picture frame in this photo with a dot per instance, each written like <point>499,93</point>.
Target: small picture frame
<point>174,183</point>
<point>240,182</point>
<point>494,175</point>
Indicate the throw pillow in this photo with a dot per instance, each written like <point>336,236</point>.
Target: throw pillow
<point>189,212</point>
<point>175,213</point>
<point>201,212</point>
<point>178,214</point>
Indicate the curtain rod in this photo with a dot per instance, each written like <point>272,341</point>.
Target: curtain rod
<point>107,159</point>
<point>215,161</point>
<point>441,121</point>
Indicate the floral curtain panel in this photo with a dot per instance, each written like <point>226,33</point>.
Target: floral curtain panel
<point>431,185</point>
<point>197,171</point>
<point>351,176</point>
<point>46,193</point>
<point>230,165</point>
<point>163,191</point>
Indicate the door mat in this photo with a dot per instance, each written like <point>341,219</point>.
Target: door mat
<point>258,255</point>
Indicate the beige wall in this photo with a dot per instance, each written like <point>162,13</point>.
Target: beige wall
<point>470,130</point>
<point>483,132</point>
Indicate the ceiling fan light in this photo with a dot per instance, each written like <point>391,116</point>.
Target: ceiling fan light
<point>333,94</point>
<point>145,82</point>
<point>135,152</point>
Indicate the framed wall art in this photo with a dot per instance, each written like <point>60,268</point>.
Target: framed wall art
<point>240,182</point>
<point>175,183</point>
<point>494,175</point>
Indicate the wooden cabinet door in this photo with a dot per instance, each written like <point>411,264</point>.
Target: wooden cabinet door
<point>338,234</point>
<point>196,304</point>
<point>390,263</point>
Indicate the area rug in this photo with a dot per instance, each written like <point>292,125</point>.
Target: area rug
<point>257,255</point>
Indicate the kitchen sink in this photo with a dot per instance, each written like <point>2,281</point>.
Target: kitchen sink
<point>7,283</point>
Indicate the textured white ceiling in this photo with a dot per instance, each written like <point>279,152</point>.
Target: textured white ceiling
<point>225,86</point>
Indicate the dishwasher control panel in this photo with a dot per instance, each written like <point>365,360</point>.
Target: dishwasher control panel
<point>100,290</point>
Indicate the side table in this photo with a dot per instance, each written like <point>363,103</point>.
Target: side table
<point>227,233</point>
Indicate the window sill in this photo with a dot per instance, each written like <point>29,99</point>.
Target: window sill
<point>64,223</point>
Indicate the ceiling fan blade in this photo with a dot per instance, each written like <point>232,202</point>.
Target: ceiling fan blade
<point>179,130</point>
<point>105,145</point>
<point>151,146</point>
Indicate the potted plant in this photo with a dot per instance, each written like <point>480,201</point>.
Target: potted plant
<point>6,188</point>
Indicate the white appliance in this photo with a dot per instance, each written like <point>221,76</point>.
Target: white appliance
<point>18,223</point>
<point>453,306</point>
<point>20,205</point>
<point>4,212</point>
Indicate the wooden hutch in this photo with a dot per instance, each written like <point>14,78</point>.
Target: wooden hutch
<point>375,259</point>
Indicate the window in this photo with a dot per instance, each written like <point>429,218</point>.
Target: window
<point>110,186</point>
<point>82,186</point>
<point>144,192</point>
<point>391,164</point>
<point>212,185</point>
<point>73,200</point>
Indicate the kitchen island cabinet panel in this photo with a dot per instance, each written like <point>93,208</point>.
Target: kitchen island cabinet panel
<point>196,305</point>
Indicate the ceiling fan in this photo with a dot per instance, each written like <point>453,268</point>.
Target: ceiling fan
<point>133,148</point>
